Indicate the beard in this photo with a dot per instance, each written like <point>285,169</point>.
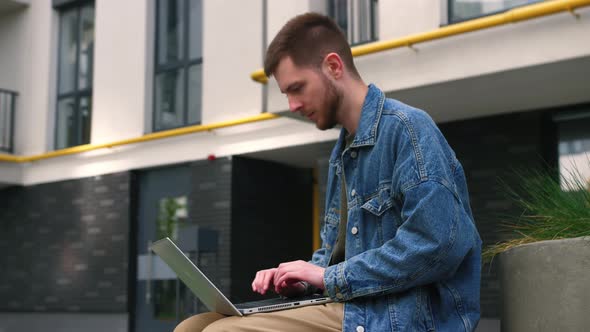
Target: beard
<point>327,115</point>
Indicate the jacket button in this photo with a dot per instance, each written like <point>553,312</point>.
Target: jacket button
<point>353,193</point>
<point>360,329</point>
<point>353,154</point>
<point>339,295</point>
<point>354,230</point>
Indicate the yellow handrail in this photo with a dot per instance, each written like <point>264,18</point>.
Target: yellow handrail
<point>511,16</point>
<point>144,138</point>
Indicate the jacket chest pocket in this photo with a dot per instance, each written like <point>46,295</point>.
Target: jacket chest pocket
<point>379,203</point>
<point>381,212</point>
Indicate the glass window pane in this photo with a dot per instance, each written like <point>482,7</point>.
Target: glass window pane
<point>357,18</point>
<point>5,119</point>
<point>339,13</point>
<point>363,18</point>
<point>66,123</point>
<point>172,215</point>
<point>68,50</point>
<point>170,31</point>
<point>195,92</point>
<point>467,9</point>
<point>86,47</point>
<point>85,117</point>
<point>196,29</point>
<point>169,100</point>
<point>574,150</point>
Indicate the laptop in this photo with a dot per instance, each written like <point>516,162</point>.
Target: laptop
<point>210,295</point>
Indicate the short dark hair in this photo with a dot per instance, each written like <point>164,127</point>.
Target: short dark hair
<point>307,39</point>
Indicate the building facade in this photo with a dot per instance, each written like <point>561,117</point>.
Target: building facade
<point>122,122</point>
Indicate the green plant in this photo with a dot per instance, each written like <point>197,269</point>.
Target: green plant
<point>167,222</point>
<point>552,209</point>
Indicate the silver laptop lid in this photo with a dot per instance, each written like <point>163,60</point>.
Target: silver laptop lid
<point>190,274</point>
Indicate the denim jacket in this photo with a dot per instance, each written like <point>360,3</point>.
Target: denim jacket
<point>413,253</point>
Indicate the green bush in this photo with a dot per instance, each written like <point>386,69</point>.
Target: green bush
<point>551,209</point>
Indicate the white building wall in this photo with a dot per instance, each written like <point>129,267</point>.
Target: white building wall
<point>13,41</point>
<point>438,65</point>
<point>25,57</point>
<point>33,134</point>
<point>120,70</point>
<point>232,46</point>
<point>400,18</point>
<point>280,11</point>
<point>123,85</point>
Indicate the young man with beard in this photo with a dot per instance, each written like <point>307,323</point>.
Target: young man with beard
<point>400,249</point>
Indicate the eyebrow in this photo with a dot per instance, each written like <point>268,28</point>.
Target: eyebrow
<point>292,86</point>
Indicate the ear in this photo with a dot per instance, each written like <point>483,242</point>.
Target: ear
<point>333,65</point>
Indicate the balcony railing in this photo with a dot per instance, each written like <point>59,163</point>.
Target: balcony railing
<point>7,109</point>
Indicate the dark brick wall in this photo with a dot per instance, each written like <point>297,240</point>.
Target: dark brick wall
<point>491,149</point>
<point>65,245</point>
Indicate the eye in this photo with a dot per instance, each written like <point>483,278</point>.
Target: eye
<point>297,89</point>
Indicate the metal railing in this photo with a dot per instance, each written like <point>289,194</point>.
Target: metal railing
<point>7,109</point>
<point>144,138</point>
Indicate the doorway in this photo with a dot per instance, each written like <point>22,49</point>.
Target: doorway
<point>161,301</point>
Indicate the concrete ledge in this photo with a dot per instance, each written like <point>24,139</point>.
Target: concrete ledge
<point>63,322</point>
<point>544,286</point>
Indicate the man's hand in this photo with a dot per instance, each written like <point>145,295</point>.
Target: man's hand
<point>263,280</point>
<point>286,279</point>
<point>290,273</point>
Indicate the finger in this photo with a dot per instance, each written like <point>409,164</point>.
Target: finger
<point>259,282</point>
<point>287,264</point>
<point>255,282</point>
<point>267,280</point>
<point>285,278</point>
<point>263,280</point>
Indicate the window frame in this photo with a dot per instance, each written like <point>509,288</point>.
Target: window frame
<point>449,4</point>
<point>76,93</point>
<point>564,120</point>
<point>176,66</point>
<point>331,8</point>
<point>8,97</point>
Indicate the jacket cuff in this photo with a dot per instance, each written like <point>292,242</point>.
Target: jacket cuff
<point>335,282</point>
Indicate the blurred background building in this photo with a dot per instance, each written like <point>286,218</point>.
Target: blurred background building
<point>125,121</point>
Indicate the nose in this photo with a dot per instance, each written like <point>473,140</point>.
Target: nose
<point>295,105</point>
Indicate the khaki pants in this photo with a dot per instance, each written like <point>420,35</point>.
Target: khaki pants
<point>324,317</point>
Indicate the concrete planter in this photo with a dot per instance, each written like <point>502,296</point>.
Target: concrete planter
<point>546,286</point>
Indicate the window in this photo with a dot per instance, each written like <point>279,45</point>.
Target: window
<point>74,87</point>
<point>357,18</point>
<point>7,106</point>
<point>574,146</point>
<point>178,69</point>
<point>462,10</point>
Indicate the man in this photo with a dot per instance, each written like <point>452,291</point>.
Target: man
<point>400,249</point>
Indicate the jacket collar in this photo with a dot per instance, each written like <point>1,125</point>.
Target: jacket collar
<point>366,132</point>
